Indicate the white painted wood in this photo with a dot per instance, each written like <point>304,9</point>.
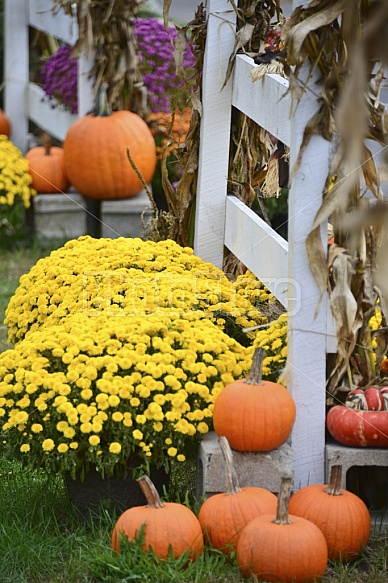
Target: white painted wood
<point>307,331</point>
<point>258,246</point>
<point>86,99</point>
<point>60,25</point>
<point>54,121</point>
<point>265,101</point>
<point>16,69</point>
<point>215,132</point>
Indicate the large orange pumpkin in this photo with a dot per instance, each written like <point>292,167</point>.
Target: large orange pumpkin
<point>47,168</point>
<point>5,124</point>
<point>167,526</point>
<point>284,547</point>
<point>223,515</point>
<point>254,415</point>
<point>96,158</point>
<point>342,516</point>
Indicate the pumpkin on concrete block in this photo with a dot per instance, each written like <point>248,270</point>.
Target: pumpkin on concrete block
<point>96,158</point>
<point>168,527</point>
<point>5,124</point>
<point>253,414</point>
<point>342,516</point>
<point>47,168</point>
<point>283,547</point>
<point>223,515</point>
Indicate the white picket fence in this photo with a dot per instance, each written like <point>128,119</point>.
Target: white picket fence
<point>221,219</point>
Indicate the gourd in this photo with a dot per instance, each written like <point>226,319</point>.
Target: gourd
<point>223,515</point>
<point>5,124</point>
<point>95,150</point>
<point>342,516</point>
<point>284,547</point>
<point>358,428</point>
<point>166,526</point>
<point>253,414</point>
<point>47,167</point>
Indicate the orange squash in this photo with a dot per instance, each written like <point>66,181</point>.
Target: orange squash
<point>5,124</point>
<point>284,547</point>
<point>47,168</point>
<point>95,150</point>
<point>223,515</point>
<point>166,526</point>
<point>342,516</point>
<point>254,415</point>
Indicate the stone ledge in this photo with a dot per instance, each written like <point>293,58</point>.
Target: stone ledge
<point>258,469</point>
<point>348,457</point>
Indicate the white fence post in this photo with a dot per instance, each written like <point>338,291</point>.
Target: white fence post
<point>215,134</point>
<point>307,333</point>
<point>16,69</point>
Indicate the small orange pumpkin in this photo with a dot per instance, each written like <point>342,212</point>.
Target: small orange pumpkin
<point>223,515</point>
<point>342,516</point>
<point>254,415</point>
<point>47,167</point>
<point>96,158</point>
<point>167,526</point>
<point>5,124</point>
<point>284,547</point>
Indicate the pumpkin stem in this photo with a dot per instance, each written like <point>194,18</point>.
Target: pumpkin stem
<point>283,500</point>
<point>233,486</point>
<point>334,487</point>
<point>254,376</point>
<point>150,492</point>
<point>102,103</point>
<point>46,141</point>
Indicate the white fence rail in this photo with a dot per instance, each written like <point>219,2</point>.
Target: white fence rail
<point>222,220</point>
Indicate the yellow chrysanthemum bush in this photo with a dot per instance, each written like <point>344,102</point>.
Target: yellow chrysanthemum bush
<point>273,339</point>
<point>92,391</point>
<point>126,276</point>
<point>15,180</point>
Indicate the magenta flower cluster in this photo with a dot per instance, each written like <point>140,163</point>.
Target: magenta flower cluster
<point>156,62</point>
<point>59,79</point>
<point>157,65</point>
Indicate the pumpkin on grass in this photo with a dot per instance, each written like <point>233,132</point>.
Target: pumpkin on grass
<point>47,168</point>
<point>342,516</point>
<point>284,547</point>
<point>168,527</point>
<point>254,415</point>
<point>96,158</point>
<point>223,515</point>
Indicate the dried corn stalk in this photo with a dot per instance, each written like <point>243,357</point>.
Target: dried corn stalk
<point>346,42</point>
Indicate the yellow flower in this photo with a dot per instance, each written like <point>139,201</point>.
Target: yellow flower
<point>48,445</point>
<point>63,447</point>
<point>172,451</point>
<point>115,448</point>
<point>36,427</point>
<point>181,458</point>
<point>94,440</point>
<point>137,434</point>
<point>25,448</point>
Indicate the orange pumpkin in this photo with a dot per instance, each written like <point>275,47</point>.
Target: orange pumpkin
<point>254,415</point>
<point>284,547</point>
<point>5,124</point>
<point>223,515</point>
<point>47,168</point>
<point>166,525</point>
<point>96,158</point>
<point>342,516</point>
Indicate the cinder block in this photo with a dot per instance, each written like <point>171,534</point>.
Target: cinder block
<point>348,457</point>
<point>263,470</point>
<point>59,216</point>
<point>124,218</point>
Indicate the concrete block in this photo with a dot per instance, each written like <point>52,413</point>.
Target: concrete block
<point>348,457</point>
<point>59,216</point>
<point>63,216</point>
<point>124,218</point>
<point>263,470</point>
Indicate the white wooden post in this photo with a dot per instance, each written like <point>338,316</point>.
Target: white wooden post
<point>215,134</point>
<point>16,69</point>
<point>306,333</point>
